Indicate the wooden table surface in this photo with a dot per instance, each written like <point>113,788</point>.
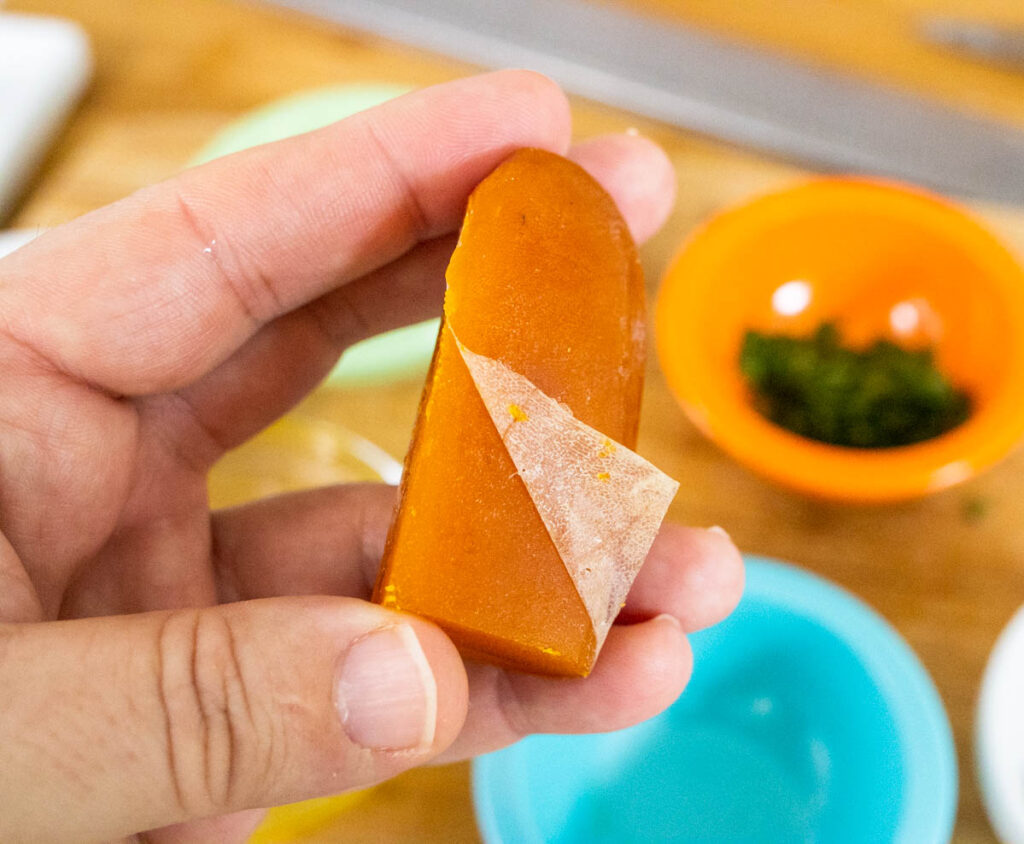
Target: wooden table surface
<point>947,571</point>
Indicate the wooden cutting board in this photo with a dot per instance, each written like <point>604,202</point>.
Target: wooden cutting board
<point>947,572</point>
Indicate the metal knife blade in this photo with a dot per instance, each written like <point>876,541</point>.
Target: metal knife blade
<point>1002,45</point>
<point>711,86</point>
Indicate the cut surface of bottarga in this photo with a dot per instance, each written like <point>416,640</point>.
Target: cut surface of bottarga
<point>545,280</point>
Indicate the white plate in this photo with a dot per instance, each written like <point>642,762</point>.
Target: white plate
<point>1000,733</point>
<point>45,64</point>
<point>16,238</point>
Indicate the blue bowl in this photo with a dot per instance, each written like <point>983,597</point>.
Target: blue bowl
<point>807,718</point>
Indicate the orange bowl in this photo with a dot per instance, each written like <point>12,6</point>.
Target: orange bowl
<point>880,260</point>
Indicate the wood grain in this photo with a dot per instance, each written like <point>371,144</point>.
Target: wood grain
<point>169,74</point>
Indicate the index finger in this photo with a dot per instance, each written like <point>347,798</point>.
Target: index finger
<point>150,293</point>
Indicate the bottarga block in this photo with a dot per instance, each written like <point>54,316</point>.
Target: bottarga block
<point>523,513</point>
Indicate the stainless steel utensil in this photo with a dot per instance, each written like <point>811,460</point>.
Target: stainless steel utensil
<point>710,85</point>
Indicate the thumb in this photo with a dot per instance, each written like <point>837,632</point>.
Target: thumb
<point>114,725</point>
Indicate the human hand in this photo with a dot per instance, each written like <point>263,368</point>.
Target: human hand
<point>151,673</point>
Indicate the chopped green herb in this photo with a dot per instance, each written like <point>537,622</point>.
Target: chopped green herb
<point>879,397</point>
<point>975,508</point>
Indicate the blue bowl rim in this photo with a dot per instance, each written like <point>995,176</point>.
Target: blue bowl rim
<point>930,798</point>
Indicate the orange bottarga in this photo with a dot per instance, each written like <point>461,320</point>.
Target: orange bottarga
<point>546,280</point>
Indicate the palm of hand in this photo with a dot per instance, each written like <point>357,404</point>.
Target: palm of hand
<point>114,519</point>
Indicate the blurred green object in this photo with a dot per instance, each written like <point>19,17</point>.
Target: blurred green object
<point>402,353</point>
<point>879,397</point>
<point>296,114</point>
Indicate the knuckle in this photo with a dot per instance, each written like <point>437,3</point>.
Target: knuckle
<point>235,269</point>
<point>417,220</point>
<point>218,740</point>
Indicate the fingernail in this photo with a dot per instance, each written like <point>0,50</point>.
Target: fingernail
<point>387,696</point>
<point>721,531</point>
<point>671,619</point>
<point>633,132</point>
